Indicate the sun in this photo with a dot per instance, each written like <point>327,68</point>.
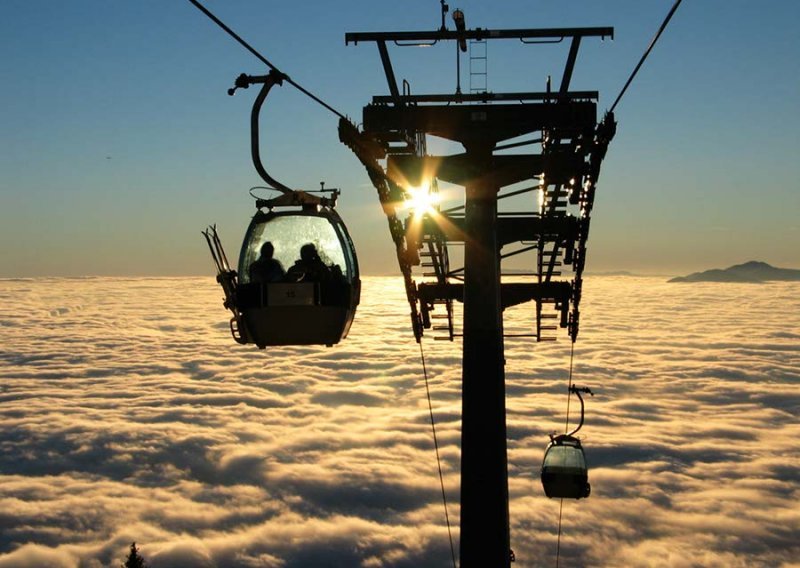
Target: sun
<point>421,200</point>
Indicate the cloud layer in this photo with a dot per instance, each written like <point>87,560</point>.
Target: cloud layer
<point>127,413</point>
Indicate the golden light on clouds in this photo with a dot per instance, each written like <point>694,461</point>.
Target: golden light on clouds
<point>127,413</point>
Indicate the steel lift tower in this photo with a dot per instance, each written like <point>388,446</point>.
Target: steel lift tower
<point>572,144</point>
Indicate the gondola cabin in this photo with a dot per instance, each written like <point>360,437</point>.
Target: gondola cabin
<point>297,281</point>
<point>310,293</point>
<point>564,472</point>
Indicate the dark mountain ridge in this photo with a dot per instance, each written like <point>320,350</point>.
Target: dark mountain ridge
<point>752,271</point>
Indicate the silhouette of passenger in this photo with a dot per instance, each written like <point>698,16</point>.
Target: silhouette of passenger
<point>266,268</point>
<point>309,267</point>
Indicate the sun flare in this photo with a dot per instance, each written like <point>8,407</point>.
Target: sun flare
<point>421,200</point>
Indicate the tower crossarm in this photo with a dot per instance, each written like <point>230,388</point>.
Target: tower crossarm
<point>510,229</point>
<point>511,293</point>
<point>479,34</point>
<point>489,123</point>
<point>506,169</point>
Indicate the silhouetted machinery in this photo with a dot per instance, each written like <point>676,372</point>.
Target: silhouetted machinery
<point>297,281</point>
<point>564,471</point>
<point>552,226</point>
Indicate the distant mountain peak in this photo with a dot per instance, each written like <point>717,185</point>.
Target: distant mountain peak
<point>750,271</point>
<point>753,265</point>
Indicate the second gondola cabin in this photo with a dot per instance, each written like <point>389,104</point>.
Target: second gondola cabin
<point>564,471</point>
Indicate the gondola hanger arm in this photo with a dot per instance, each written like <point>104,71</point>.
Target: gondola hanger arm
<point>578,390</point>
<point>268,81</point>
<point>289,196</point>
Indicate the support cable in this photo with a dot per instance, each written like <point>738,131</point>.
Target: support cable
<point>566,429</point>
<point>558,545</point>
<point>438,459</point>
<point>263,59</point>
<point>569,386</point>
<point>647,52</point>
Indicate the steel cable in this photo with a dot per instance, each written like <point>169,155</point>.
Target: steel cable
<point>264,60</point>
<point>438,459</point>
<point>566,429</point>
<point>646,53</point>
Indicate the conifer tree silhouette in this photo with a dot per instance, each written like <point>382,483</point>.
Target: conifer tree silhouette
<point>134,560</point>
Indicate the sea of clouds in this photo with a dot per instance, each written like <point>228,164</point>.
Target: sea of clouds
<point>127,413</point>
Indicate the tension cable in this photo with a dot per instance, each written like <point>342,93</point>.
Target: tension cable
<point>566,429</point>
<point>647,52</point>
<point>263,59</point>
<point>438,459</point>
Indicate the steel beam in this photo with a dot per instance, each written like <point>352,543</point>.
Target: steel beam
<point>509,229</point>
<point>569,67</point>
<point>485,534</point>
<point>389,71</point>
<point>506,169</point>
<point>511,293</point>
<point>486,97</point>
<point>479,34</point>
<point>482,123</point>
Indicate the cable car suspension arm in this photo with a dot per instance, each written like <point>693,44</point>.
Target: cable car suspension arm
<point>244,81</point>
<point>578,390</point>
<point>290,196</point>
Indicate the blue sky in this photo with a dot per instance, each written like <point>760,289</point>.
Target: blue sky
<point>119,142</point>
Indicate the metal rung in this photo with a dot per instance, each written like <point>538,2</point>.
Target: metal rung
<point>547,339</point>
<point>548,327</point>
<point>548,316</point>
